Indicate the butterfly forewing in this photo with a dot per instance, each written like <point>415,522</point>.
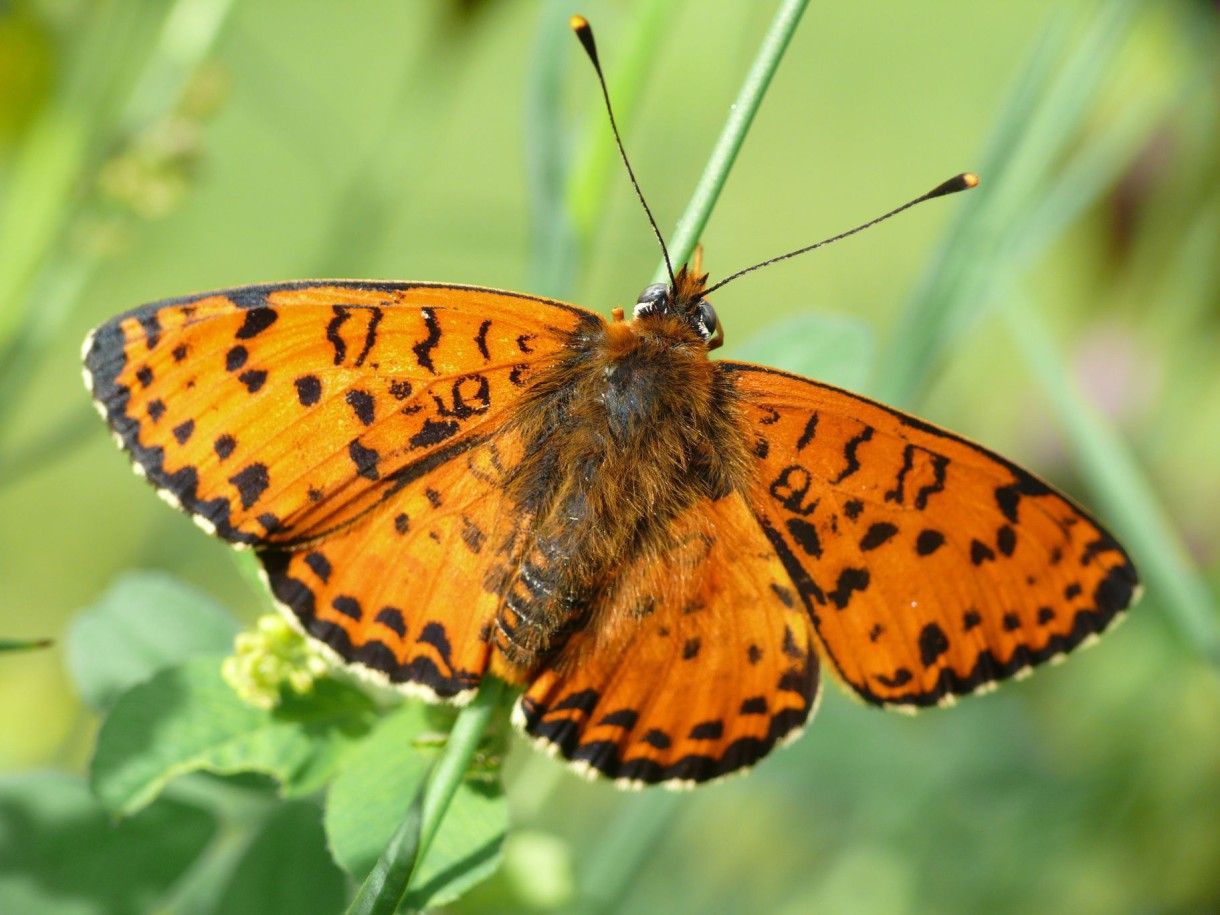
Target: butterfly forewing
<point>279,414</point>
<point>698,663</point>
<point>931,567</point>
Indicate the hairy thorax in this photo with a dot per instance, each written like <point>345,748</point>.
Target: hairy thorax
<point>630,428</point>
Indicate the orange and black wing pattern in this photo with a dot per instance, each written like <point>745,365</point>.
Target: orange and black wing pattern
<point>931,566</point>
<point>696,665</point>
<point>409,594</point>
<point>318,423</point>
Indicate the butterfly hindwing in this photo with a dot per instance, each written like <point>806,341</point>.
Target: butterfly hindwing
<point>281,413</point>
<point>932,566</point>
<point>697,665</point>
<point>409,593</point>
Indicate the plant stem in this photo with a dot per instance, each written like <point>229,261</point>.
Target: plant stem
<point>459,750</point>
<point>741,116</point>
<point>1121,489</point>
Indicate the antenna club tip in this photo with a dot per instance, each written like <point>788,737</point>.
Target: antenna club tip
<point>578,23</point>
<point>962,182</point>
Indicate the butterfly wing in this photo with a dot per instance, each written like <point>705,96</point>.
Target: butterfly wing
<point>409,594</point>
<point>278,414</point>
<point>696,665</point>
<point>932,567</point>
<point>355,434</point>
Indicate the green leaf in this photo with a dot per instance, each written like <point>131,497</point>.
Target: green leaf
<point>286,868</point>
<point>147,621</point>
<point>61,852</point>
<point>188,718</point>
<point>836,350</point>
<point>373,793</point>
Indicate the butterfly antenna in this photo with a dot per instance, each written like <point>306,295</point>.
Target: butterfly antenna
<point>584,32</point>
<point>961,182</point>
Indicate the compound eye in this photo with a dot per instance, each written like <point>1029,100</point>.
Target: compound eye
<point>652,299</point>
<point>708,322</point>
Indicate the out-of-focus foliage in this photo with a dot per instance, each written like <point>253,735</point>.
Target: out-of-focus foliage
<point>149,150</point>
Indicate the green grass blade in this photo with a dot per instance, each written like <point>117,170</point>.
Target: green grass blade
<point>1039,121</point>
<point>1123,493</point>
<point>724,153</point>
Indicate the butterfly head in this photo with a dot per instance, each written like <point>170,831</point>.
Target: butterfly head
<point>684,300</point>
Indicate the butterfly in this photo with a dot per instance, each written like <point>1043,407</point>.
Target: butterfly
<point>443,482</point>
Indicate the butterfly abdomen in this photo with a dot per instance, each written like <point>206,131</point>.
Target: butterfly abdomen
<point>623,435</point>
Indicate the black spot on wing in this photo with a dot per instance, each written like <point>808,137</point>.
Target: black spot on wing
<point>472,535</point>
<point>319,565</point>
<point>657,738</point>
<point>939,463</point>
<point>365,460</point>
<point>341,314</point>
<point>251,482</point>
<point>707,730</point>
<point>370,334</point>
<point>392,619</point>
<point>480,340</point>
<point>309,390</point>
<point>1006,540</point>
<point>898,678</point>
<point>256,321</point>
<point>348,606</point>
<point>433,432</point>
<point>624,718</point>
<point>810,430</point>
<point>183,431</point>
<point>423,349</point>
<point>152,328</point>
<point>980,552</point>
<point>1008,497</point>
<point>932,644</point>
<point>850,454</point>
<point>755,705</point>
<point>805,535</point>
<point>876,535</point>
<point>362,405</point>
<point>1114,592</point>
<point>850,581</point>
<point>253,379</point>
<point>929,541</point>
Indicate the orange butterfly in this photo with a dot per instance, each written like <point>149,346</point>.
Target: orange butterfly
<point>443,482</point>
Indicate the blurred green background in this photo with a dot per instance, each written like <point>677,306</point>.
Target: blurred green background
<point>1066,313</point>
